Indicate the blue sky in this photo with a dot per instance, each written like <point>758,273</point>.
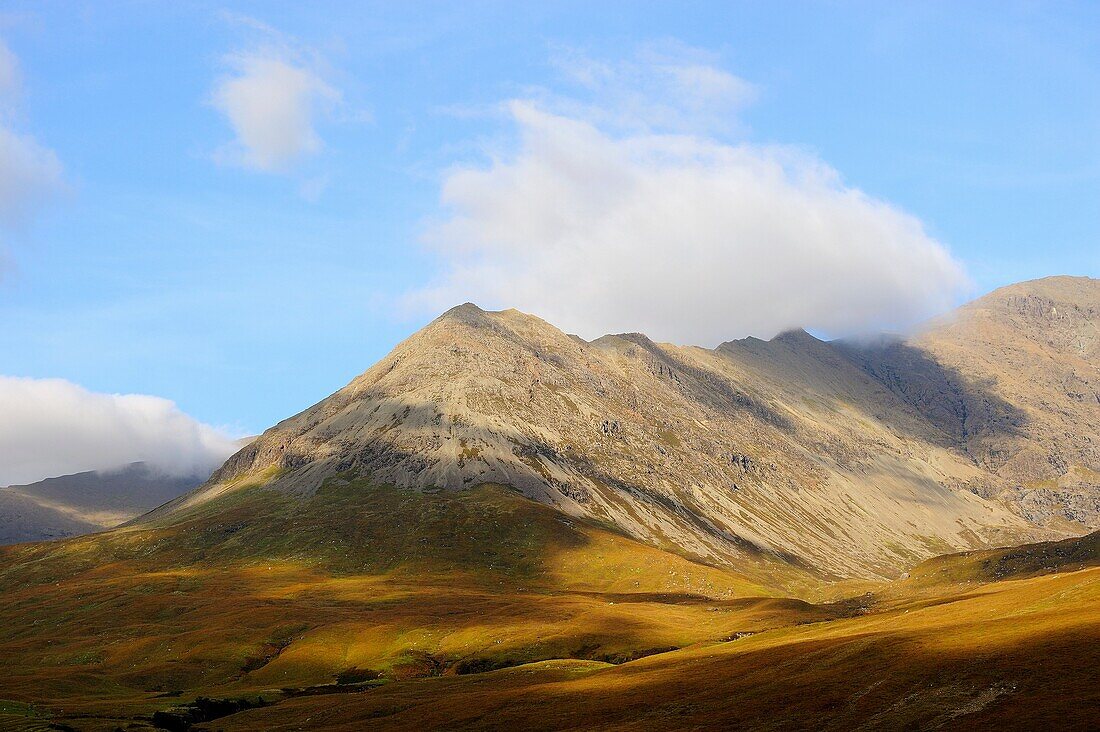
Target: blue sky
<point>167,257</point>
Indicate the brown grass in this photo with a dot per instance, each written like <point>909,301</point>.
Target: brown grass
<point>260,592</point>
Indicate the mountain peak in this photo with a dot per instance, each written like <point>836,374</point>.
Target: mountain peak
<point>686,445</point>
<point>471,315</point>
<point>795,336</point>
<point>462,312</point>
<point>669,444</point>
<point>1081,293</point>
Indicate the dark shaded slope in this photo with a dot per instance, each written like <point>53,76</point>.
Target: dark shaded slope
<point>1029,560</point>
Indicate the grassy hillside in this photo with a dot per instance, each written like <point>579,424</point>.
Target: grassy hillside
<point>259,592</point>
<point>1006,655</point>
<point>1029,560</point>
<point>482,609</point>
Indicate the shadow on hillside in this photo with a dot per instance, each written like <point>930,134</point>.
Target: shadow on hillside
<point>381,463</point>
<point>708,388</point>
<point>685,512</point>
<point>966,411</point>
<point>865,681</point>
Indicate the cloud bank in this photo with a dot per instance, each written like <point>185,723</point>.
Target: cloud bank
<point>53,427</point>
<point>663,227</point>
<point>271,102</point>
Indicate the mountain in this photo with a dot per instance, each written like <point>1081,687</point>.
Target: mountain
<point>1012,380</point>
<point>81,503</point>
<point>815,454</point>
<point>502,525</point>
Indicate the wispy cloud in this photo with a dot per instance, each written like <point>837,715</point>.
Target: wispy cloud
<point>665,86</point>
<point>272,96</point>
<point>9,71</point>
<point>54,427</point>
<point>30,173</point>
<point>655,221</point>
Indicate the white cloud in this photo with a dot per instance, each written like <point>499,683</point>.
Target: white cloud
<point>665,86</point>
<point>54,427</point>
<point>29,172</point>
<point>271,103</point>
<point>602,228</point>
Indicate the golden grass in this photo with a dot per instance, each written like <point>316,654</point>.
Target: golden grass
<point>481,609</point>
<point>258,591</point>
<point>1015,655</point>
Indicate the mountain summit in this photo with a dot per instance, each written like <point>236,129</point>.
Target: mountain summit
<point>851,460</point>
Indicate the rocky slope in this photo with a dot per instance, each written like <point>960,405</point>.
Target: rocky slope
<point>1012,380</point>
<point>81,503</point>
<point>852,461</point>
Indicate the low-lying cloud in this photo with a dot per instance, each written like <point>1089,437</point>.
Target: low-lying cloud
<point>271,101</point>
<point>665,227</point>
<point>54,427</point>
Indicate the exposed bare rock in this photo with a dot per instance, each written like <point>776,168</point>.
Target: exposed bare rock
<point>782,449</point>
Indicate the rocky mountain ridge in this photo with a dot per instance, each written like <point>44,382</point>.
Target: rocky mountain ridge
<point>1013,379</point>
<point>855,461</point>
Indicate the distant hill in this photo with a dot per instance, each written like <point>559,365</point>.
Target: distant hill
<point>81,503</point>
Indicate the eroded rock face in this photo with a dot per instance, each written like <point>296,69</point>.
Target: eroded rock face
<point>1013,382</point>
<point>791,448</point>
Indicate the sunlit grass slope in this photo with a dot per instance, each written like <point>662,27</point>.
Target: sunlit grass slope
<point>260,594</point>
<point>1008,563</point>
<point>1014,654</point>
